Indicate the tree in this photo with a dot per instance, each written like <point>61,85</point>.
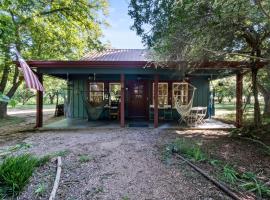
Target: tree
<point>206,29</point>
<point>42,29</point>
<point>53,87</point>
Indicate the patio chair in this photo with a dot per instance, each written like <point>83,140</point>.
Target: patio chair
<point>196,116</point>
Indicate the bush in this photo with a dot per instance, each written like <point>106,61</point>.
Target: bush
<point>15,173</point>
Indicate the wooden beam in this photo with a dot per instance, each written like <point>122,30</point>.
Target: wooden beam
<point>239,101</point>
<point>122,108</point>
<point>39,105</point>
<point>156,101</point>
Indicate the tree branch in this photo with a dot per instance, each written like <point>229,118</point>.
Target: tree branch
<point>220,53</point>
<point>46,13</point>
<point>259,3</point>
<point>4,79</point>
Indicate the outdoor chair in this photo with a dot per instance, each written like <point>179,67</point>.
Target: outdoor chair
<point>114,110</point>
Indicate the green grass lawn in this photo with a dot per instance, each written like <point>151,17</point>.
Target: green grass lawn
<point>226,111</point>
<point>10,120</point>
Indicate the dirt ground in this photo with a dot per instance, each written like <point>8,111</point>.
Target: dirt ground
<point>123,164</point>
<point>16,132</point>
<point>128,163</point>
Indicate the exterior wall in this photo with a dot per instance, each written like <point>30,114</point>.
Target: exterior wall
<point>78,86</point>
<point>75,92</point>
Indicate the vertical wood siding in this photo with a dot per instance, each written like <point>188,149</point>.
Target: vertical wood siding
<point>79,86</point>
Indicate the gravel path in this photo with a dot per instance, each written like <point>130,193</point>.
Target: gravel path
<point>122,164</point>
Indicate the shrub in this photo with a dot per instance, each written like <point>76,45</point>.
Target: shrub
<point>229,174</point>
<point>15,173</point>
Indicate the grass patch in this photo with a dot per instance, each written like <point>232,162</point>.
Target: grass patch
<point>5,152</point>
<point>252,184</point>
<point>15,173</point>
<point>229,174</point>
<point>225,172</point>
<point>188,148</point>
<point>40,190</point>
<point>10,121</point>
<point>125,198</point>
<point>84,158</point>
<point>62,153</point>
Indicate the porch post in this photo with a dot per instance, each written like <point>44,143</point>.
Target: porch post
<point>122,106</point>
<point>156,101</point>
<point>39,104</point>
<point>239,102</point>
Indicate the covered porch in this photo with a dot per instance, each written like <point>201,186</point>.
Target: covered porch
<point>145,90</point>
<point>210,124</point>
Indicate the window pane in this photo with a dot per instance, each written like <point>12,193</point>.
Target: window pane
<point>180,92</point>
<point>115,91</point>
<point>162,94</point>
<point>96,92</point>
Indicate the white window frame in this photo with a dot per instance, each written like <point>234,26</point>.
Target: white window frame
<point>182,94</point>
<point>167,92</point>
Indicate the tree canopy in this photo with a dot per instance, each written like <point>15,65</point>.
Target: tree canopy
<point>206,29</point>
<point>203,29</point>
<point>63,29</point>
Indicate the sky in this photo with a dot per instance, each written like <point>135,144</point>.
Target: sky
<point>119,34</point>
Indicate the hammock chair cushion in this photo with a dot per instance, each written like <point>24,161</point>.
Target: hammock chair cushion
<point>94,111</point>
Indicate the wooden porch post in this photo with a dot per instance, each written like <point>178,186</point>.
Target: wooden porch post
<point>122,108</point>
<point>156,101</point>
<point>239,102</point>
<point>39,105</point>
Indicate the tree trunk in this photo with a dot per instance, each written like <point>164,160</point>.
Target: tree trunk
<point>257,112</point>
<point>3,109</point>
<point>51,97</point>
<point>266,111</point>
<point>248,99</point>
<point>266,96</point>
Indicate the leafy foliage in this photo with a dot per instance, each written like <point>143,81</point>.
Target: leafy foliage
<point>252,184</point>
<point>15,173</point>
<point>44,30</point>
<point>199,30</point>
<point>229,174</point>
<point>187,148</point>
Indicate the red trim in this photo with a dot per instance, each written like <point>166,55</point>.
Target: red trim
<point>156,101</point>
<point>39,105</point>
<point>122,106</point>
<point>124,64</point>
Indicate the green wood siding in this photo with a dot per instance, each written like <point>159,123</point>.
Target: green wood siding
<point>77,88</point>
<point>78,84</point>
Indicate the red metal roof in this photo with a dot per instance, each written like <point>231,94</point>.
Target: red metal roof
<point>118,55</point>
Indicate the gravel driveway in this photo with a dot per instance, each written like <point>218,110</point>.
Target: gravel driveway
<point>122,164</point>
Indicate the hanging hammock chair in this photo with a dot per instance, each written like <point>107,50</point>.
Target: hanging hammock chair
<point>94,110</point>
<point>184,100</point>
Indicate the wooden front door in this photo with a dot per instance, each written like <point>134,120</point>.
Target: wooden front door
<point>137,99</point>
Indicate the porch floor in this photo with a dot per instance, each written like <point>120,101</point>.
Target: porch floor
<point>83,124</point>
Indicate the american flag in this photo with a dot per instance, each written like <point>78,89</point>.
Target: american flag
<point>30,77</point>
